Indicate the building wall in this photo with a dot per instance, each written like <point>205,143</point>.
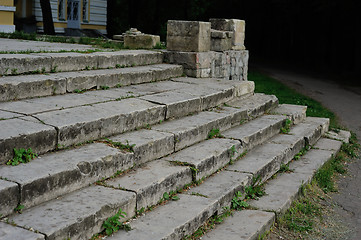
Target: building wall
<point>97,15</point>
<point>7,10</point>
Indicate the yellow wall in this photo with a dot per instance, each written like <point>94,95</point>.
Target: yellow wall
<point>82,26</point>
<point>6,18</point>
<point>19,9</point>
<point>7,3</point>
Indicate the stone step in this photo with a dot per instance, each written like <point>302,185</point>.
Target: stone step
<point>266,160</point>
<point>245,225</point>
<point>282,190</point>
<point>54,174</point>
<point>11,64</point>
<point>176,220</point>
<point>30,86</point>
<point>77,215</point>
<point>61,122</point>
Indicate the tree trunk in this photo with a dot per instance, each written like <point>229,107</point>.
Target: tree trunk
<point>47,17</point>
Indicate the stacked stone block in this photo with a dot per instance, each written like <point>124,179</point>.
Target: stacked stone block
<point>212,49</point>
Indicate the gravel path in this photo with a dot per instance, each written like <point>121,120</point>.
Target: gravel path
<point>346,103</point>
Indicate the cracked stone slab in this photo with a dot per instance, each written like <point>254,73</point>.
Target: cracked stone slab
<point>24,133</point>
<point>208,156</point>
<point>178,104</point>
<point>85,123</point>
<point>263,161</point>
<point>77,215</point>
<point>246,224</point>
<point>58,173</point>
<point>9,197</point>
<point>28,86</point>
<point>174,220</point>
<point>328,144</point>
<point>23,63</point>
<point>340,135</point>
<point>148,144</point>
<point>295,144</point>
<point>9,232</point>
<point>52,103</point>
<point>222,187</point>
<point>150,181</point>
<point>256,104</point>
<point>312,129</point>
<point>256,131</point>
<point>4,115</point>
<point>296,113</point>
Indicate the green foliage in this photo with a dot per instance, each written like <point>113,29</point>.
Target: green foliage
<point>285,168</point>
<point>22,156</point>
<point>286,128</point>
<point>238,202</point>
<point>214,133</point>
<point>170,196</point>
<point>113,224</point>
<point>126,147</point>
<point>300,216</point>
<point>255,191</point>
<point>104,87</point>
<point>19,208</point>
<point>301,153</point>
<point>268,85</point>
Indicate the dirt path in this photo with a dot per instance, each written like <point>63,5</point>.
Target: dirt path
<point>346,103</point>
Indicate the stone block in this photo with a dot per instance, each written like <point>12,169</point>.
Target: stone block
<point>77,215</point>
<point>234,25</point>
<point>146,41</point>
<point>296,113</point>
<point>9,197</point>
<point>221,40</point>
<point>9,232</point>
<point>188,36</point>
<point>153,179</point>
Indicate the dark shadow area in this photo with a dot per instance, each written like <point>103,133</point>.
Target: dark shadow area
<point>320,36</point>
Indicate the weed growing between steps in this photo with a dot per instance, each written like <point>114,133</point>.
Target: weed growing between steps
<point>287,127</point>
<point>22,156</point>
<point>124,147</point>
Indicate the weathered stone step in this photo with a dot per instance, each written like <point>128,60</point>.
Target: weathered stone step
<point>282,190</point>
<point>216,192</point>
<point>61,172</point>
<point>8,231</point>
<point>72,61</point>
<point>29,86</point>
<point>266,160</point>
<point>245,225</point>
<point>51,128</point>
<point>77,215</point>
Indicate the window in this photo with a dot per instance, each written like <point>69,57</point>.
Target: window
<point>85,10</point>
<point>61,10</point>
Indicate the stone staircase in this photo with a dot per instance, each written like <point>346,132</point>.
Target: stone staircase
<point>117,130</point>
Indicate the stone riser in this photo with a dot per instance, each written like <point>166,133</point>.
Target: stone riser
<point>30,86</point>
<point>66,62</point>
<point>55,174</point>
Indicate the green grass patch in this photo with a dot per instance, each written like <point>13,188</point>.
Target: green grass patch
<point>22,156</point>
<point>268,85</point>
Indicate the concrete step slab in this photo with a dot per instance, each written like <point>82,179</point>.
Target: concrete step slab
<point>148,144</point>
<point>207,157</point>
<point>221,187</point>
<point>78,215</point>
<point>29,86</point>
<point>281,191</point>
<point>24,132</point>
<point>340,135</point>
<point>296,113</point>
<point>257,131</point>
<point>55,174</point>
<point>81,124</point>
<point>72,61</point>
<point>9,198</point>
<point>4,115</point>
<point>9,232</point>
<point>174,220</point>
<point>152,180</point>
<point>246,224</point>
